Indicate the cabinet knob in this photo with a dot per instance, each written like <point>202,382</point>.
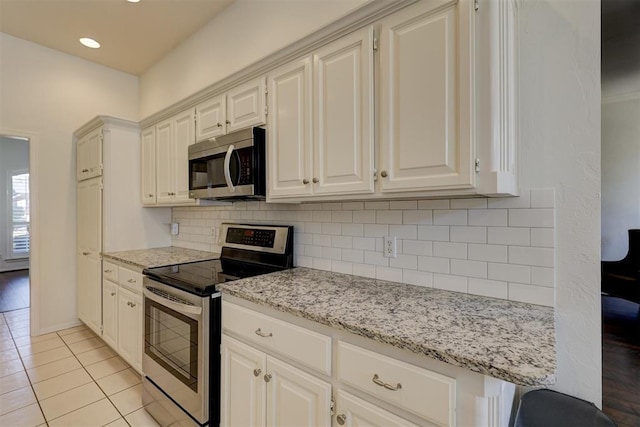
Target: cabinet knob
<point>107,271</point>
<point>219,124</point>
<point>315,180</point>
<point>86,253</point>
<point>267,378</point>
<point>85,170</point>
<point>228,122</point>
<point>133,304</point>
<point>384,174</point>
<point>129,303</point>
<point>257,372</point>
<point>341,419</point>
<point>305,181</point>
<point>149,195</point>
<point>113,294</point>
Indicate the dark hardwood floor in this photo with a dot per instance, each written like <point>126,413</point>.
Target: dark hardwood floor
<point>621,361</point>
<point>14,290</point>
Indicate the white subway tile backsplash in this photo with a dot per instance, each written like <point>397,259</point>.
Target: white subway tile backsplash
<point>539,257</point>
<point>488,288</point>
<point>463,267</point>
<point>389,217</point>
<point>502,248</point>
<point>417,217</point>
<point>376,230</point>
<point>417,247</point>
<point>364,217</point>
<point>494,253</point>
<point>488,217</point>
<point>543,237</point>
<point>433,264</point>
<point>450,217</point>
<point>510,272</point>
<point>508,236</point>
<point>450,283</point>
<point>468,204</point>
<point>542,276</point>
<point>531,218</point>
<point>404,231</point>
<point>543,198</point>
<point>450,250</point>
<point>468,234</point>
<point>531,294</point>
<point>353,255</point>
<point>420,278</point>
<point>433,232</point>
<point>404,261</point>
<point>433,204</point>
<point>390,274</point>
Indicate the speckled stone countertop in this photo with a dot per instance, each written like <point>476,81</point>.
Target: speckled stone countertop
<point>157,257</point>
<point>508,340</point>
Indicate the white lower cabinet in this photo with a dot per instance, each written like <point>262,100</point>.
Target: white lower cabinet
<point>130,327</point>
<point>122,313</point>
<point>260,390</point>
<point>354,412</point>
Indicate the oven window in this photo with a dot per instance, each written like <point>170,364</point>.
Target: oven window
<point>171,340</point>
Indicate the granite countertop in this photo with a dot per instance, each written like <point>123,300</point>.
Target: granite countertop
<point>157,257</point>
<point>508,340</point>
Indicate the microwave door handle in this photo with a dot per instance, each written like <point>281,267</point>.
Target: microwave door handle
<point>227,172</point>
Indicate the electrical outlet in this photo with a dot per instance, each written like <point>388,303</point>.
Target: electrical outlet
<point>390,249</point>
<point>175,228</point>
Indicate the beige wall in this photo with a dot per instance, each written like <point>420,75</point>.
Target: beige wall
<point>49,95</point>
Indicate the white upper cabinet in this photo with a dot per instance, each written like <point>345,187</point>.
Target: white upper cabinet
<point>89,155</point>
<point>290,130</point>
<point>343,115</point>
<point>148,165</point>
<point>425,106</point>
<point>173,137</point>
<point>239,108</point>
<point>321,139</point>
<point>211,118</point>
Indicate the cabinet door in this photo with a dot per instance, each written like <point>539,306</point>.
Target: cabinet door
<point>89,216</point>
<point>290,128</point>
<point>246,105</point>
<point>243,389</point>
<point>183,137</point>
<point>211,118</point>
<point>343,116</point>
<point>89,155</point>
<point>295,398</point>
<point>356,412</point>
<point>164,161</point>
<point>110,313</point>
<point>426,135</point>
<point>148,165</point>
<point>130,339</point>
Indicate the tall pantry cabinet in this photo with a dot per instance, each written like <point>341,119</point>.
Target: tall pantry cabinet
<point>110,217</point>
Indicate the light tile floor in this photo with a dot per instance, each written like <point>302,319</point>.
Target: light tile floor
<point>67,378</point>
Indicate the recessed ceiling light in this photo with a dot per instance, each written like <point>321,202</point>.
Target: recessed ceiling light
<point>89,42</point>
<point>133,1</point>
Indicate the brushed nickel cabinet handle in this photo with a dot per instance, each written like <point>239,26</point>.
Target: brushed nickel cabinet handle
<point>380,383</point>
<point>228,122</point>
<point>384,174</point>
<point>107,271</point>
<point>133,304</point>
<point>86,253</point>
<point>257,372</point>
<point>315,180</point>
<point>267,378</point>
<point>341,419</point>
<point>113,294</point>
<point>219,124</point>
<point>305,181</point>
<point>131,281</point>
<point>262,334</point>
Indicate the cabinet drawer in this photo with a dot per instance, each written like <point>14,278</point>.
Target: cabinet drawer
<point>129,278</point>
<point>110,271</point>
<point>422,392</point>
<point>302,345</point>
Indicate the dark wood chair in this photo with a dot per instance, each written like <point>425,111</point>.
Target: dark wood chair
<point>622,278</point>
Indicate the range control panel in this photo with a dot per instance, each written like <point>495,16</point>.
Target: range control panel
<point>276,239</point>
<point>251,237</point>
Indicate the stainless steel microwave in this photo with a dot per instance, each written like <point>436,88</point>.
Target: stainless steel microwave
<point>228,167</point>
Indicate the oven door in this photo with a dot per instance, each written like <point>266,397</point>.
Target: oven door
<point>176,346</point>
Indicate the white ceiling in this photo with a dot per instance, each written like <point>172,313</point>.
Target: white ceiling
<point>133,35</point>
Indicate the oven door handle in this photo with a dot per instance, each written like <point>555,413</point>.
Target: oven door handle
<point>227,171</point>
<point>176,306</point>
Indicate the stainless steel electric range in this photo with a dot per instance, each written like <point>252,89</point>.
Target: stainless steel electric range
<point>181,359</point>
